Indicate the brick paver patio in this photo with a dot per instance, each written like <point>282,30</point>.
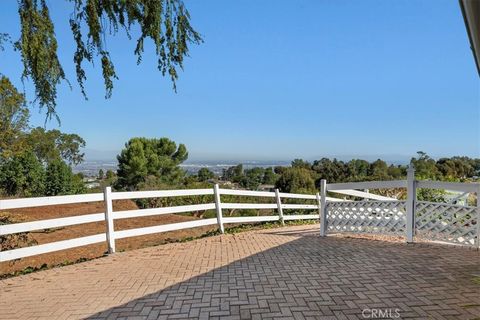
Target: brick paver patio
<point>269,274</point>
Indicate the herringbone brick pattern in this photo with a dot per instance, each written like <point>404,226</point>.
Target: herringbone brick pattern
<point>269,274</point>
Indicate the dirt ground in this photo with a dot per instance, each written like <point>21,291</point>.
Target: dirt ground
<point>96,250</point>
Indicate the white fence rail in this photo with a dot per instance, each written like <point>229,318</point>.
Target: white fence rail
<point>374,214</point>
<point>367,185</point>
<point>49,201</point>
<point>421,220</point>
<point>110,216</point>
<point>452,186</point>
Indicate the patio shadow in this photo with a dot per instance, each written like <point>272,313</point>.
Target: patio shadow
<point>323,278</point>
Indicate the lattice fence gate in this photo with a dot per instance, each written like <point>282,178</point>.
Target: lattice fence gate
<point>382,217</point>
<point>446,222</point>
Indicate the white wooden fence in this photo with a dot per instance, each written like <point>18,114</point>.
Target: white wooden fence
<point>421,220</point>
<point>109,216</point>
<point>375,214</point>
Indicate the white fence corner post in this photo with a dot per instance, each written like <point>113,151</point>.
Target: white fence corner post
<point>322,203</point>
<point>107,196</point>
<point>218,207</point>
<point>279,207</point>
<point>411,198</point>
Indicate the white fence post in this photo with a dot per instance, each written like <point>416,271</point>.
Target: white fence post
<point>322,202</point>
<point>107,196</point>
<point>411,198</point>
<point>319,204</point>
<point>279,205</point>
<point>218,207</point>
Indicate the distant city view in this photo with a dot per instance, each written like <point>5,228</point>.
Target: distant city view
<point>90,168</point>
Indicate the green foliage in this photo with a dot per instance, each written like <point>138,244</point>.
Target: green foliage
<point>298,177</point>
<point>253,178</point>
<point>300,163</point>
<point>476,280</point>
<point>150,162</point>
<point>379,170</point>
<point>101,174</point>
<point>279,169</point>
<point>38,49</point>
<point>249,178</point>
<point>78,186</point>
<point>269,177</point>
<point>165,22</point>
<point>50,145</point>
<point>355,170</point>
<point>396,172</point>
<point>110,174</point>
<point>204,174</point>
<point>233,174</point>
<point>425,167</point>
<point>60,179</point>
<point>152,183</point>
<point>22,175</point>
<point>452,169</point>
<point>332,171</point>
<point>458,167</point>
<point>433,195</point>
<point>32,162</point>
<point>296,180</point>
<point>4,37</point>
<point>13,119</point>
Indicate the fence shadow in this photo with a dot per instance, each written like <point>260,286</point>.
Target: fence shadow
<point>321,277</point>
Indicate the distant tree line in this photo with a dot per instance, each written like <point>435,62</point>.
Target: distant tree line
<point>304,177</point>
<point>250,178</point>
<point>154,164</point>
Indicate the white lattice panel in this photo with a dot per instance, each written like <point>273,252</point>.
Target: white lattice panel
<point>446,222</point>
<point>386,217</point>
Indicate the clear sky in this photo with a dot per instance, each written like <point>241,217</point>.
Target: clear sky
<point>284,79</point>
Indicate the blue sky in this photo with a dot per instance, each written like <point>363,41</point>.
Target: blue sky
<point>282,80</point>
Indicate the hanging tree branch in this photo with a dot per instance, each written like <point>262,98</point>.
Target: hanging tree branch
<point>165,22</point>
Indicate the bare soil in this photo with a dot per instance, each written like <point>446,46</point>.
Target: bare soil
<point>96,250</point>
